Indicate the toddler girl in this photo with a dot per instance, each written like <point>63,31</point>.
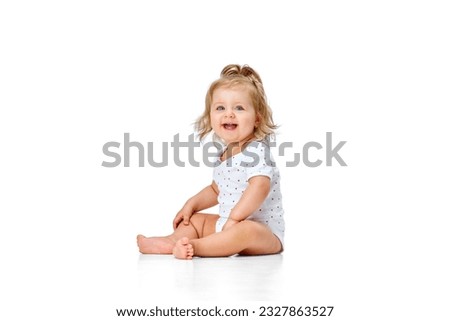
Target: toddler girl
<point>246,183</point>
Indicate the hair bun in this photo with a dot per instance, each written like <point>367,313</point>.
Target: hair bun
<point>234,70</point>
<point>231,70</point>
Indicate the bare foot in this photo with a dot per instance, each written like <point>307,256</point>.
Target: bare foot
<point>155,245</point>
<point>183,249</point>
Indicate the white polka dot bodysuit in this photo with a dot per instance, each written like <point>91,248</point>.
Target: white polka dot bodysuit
<point>231,177</point>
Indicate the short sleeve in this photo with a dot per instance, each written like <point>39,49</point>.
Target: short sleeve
<point>258,161</point>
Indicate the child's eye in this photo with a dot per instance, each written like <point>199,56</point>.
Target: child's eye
<point>239,108</point>
<point>220,108</point>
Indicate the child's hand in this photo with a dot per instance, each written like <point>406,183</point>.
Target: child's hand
<point>229,223</point>
<point>183,215</point>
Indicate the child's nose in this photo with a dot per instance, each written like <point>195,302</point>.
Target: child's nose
<point>229,112</point>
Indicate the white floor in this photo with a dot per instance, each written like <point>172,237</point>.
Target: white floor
<point>236,278</point>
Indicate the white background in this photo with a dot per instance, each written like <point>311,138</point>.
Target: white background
<point>372,236</point>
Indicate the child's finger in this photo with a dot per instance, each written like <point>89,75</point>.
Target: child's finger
<point>177,221</point>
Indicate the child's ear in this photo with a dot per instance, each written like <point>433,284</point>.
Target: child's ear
<point>257,120</point>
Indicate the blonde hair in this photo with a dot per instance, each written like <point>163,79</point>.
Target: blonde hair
<point>232,76</point>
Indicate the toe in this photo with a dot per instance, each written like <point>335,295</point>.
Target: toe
<point>139,238</point>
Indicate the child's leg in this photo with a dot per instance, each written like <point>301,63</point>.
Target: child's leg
<point>246,237</point>
<point>200,225</point>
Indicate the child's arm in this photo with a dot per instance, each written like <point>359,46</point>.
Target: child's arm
<point>204,199</point>
<point>256,192</point>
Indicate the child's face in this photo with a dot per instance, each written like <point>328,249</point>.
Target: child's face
<point>233,116</point>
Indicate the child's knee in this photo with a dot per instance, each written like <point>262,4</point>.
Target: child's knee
<point>197,221</point>
<point>196,218</point>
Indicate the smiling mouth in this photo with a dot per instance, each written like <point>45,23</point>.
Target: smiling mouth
<point>229,126</point>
